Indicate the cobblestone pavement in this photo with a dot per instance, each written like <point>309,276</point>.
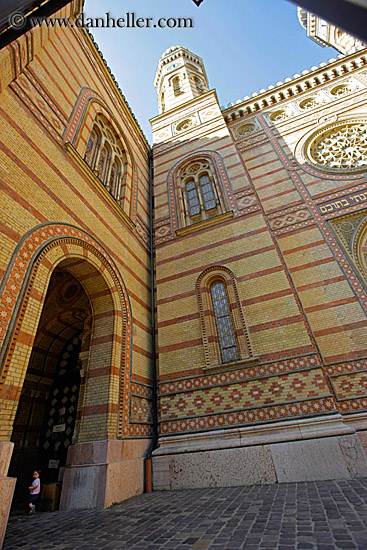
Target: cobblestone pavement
<point>322,515</point>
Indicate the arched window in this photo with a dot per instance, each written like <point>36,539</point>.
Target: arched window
<point>199,195</point>
<point>115,177</point>
<point>104,163</point>
<point>163,103</point>
<point>105,155</point>
<point>92,147</point>
<point>225,335</point>
<point>192,198</point>
<point>223,321</point>
<point>199,84</point>
<point>207,192</point>
<point>176,85</point>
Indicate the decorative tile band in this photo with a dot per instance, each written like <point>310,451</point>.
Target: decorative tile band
<point>278,389</point>
<point>240,375</point>
<point>252,416</point>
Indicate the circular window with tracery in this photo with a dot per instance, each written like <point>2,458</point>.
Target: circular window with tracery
<point>341,147</point>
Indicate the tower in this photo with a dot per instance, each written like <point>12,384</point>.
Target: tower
<point>180,77</point>
<point>325,34</point>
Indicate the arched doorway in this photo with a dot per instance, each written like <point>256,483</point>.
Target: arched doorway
<point>46,416</point>
<point>103,411</point>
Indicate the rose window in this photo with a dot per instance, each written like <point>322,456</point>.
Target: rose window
<point>341,148</point>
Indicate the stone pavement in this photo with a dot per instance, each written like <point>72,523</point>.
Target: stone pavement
<point>324,515</point>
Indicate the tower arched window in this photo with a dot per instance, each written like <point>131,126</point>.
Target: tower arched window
<point>163,103</point>
<point>199,84</point>
<point>176,85</point>
<point>225,335</point>
<point>106,157</point>
<point>200,196</point>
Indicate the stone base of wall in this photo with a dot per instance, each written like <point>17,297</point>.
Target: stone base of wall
<point>101,473</point>
<point>7,485</point>
<point>304,450</point>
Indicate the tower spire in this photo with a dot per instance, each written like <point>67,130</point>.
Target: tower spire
<point>180,77</point>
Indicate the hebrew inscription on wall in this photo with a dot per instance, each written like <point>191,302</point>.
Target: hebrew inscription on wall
<point>350,200</point>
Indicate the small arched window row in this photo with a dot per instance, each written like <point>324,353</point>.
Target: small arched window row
<point>105,155</point>
<point>200,195</point>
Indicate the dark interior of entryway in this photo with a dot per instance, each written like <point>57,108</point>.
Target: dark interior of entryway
<point>47,411</point>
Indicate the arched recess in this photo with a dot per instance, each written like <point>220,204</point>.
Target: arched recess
<point>207,317</point>
<point>360,248</point>
<point>22,296</point>
<point>217,166</point>
<point>88,105</point>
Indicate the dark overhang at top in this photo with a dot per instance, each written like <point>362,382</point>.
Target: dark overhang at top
<point>348,15</point>
<point>11,8</point>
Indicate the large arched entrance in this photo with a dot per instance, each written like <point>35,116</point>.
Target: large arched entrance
<point>45,421</point>
<point>67,330</point>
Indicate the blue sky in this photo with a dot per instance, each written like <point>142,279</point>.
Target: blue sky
<point>245,44</point>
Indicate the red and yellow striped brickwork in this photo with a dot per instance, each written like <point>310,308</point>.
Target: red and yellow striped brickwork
<point>55,212</point>
<point>301,292</point>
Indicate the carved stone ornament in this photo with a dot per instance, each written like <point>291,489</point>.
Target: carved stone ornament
<point>185,124</point>
<point>245,129</point>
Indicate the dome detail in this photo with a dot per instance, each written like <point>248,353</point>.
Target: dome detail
<point>170,50</point>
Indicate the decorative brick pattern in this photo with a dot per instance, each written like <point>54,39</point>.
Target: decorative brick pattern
<point>243,395</point>
<point>351,385</point>
<point>240,375</point>
<point>251,416</point>
<point>290,219</point>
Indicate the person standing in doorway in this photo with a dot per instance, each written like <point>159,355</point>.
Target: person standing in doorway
<point>34,491</point>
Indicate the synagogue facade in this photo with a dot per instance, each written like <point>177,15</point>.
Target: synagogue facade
<point>258,369</point>
<point>260,227</point>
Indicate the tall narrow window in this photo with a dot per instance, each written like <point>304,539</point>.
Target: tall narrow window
<point>92,147</point>
<point>103,163</point>
<point>176,85</point>
<point>192,198</point>
<point>207,192</point>
<point>199,84</point>
<point>224,324</point>
<point>163,103</point>
<point>115,175</point>
<point>225,335</point>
